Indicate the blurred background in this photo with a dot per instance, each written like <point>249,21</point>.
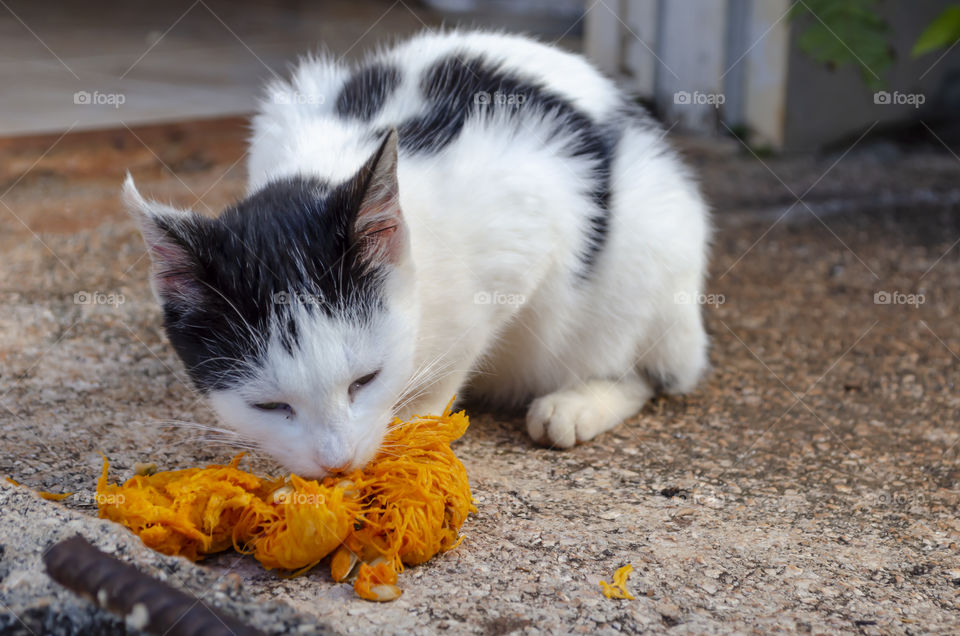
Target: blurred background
<point>782,75</point>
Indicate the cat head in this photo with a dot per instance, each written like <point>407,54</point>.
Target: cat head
<point>293,310</point>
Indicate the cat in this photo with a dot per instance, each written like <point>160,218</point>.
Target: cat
<point>467,211</point>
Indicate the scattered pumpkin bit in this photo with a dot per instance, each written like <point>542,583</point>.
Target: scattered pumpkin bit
<point>343,564</point>
<point>377,582</point>
<point>618,589</point>
<point>49,496</point>
<point>402,509</point>
<point>53,496</point>
<point>144,468</point>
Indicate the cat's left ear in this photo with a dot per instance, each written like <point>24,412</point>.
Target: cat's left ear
<point>379,231</point>
<point>169,236</point>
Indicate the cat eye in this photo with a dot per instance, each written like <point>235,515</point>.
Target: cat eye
<point>359,383</point>
<point>274,406</point>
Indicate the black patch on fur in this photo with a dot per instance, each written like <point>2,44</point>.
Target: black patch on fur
<point>289,243</point>
<point>661,381</point>
<point>366,91</point>
<point>459,88</point>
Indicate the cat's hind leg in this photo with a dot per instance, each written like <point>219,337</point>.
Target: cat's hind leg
<point>678,358</point>
<point>673,363</point>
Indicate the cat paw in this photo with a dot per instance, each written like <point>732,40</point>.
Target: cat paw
<point>565,418</point>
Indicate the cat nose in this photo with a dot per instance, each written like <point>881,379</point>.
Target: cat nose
<point>334,458</point>
<point>333,470</point>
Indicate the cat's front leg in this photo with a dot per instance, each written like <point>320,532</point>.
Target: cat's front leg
<point>563,418</point>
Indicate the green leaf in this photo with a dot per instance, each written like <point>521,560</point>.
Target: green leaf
<point>846,32</point>
<point>944,31</point>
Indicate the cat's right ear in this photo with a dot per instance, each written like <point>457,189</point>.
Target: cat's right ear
<point>168,234</point>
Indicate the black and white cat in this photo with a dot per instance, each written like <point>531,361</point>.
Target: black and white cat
<point>465,210</point>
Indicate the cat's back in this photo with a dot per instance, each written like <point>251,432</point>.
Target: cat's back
<point>438,66</point>
<point>431,87</point>
<point>464,63</point>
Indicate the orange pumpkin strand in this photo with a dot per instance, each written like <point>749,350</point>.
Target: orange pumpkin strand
<point>399,510</point>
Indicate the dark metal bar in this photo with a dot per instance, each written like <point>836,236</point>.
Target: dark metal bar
<point>146,603</point>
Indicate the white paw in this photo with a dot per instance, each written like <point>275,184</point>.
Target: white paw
<point>564,418</point>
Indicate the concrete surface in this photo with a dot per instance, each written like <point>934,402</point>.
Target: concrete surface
<point>810,484</point>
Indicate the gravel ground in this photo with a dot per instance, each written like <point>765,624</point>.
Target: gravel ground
<point>810,484</point>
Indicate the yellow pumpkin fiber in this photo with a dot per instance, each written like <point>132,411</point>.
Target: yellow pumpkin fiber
<point>49,496</point>
<point>618,589</point>
<point>407,505</point>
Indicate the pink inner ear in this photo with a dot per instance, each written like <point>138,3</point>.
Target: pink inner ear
<point>166,252</point>
<point>379,230</point>
<point>382,240</point>
<point>177,286</point>
<point>172,275</point>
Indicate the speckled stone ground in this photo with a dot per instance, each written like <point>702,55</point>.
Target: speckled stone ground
<point>810,484</point>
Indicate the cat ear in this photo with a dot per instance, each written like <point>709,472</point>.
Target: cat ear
<point>378,229</point>
<point>166,231</point>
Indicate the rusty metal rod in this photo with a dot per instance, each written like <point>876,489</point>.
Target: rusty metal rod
<point>145,603</point>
